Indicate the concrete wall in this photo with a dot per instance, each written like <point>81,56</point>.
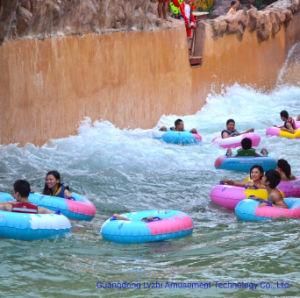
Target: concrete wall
<point>48,86</point>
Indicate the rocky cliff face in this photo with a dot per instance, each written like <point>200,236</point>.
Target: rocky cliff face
<point>41,18</point>
<point>265,22</point>
<point>221,7</point>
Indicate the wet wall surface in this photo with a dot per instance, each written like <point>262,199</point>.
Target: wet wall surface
<point>48,86</point>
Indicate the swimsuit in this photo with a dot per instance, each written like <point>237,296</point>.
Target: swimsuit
<point>24,207</point>
<point>232,133</point>
<point>290,121</point>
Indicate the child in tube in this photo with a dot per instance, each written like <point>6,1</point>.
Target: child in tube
<point>178,126</point>
<point>289,124</point>
<point>230,130</point>
<point>247,150</point>
<point>21,191</point>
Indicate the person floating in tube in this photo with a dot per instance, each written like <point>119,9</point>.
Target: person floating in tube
<point>21,205</point>
<point>54,187</point>
<point>275,197</point>
<point>284,170</point>
<point>255,181</point>
<point>289,124</point>
<point>247,150</point>
<point>178,126</point>
<point>230,130</point>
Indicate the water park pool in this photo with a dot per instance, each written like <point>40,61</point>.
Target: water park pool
<point>128,170</point>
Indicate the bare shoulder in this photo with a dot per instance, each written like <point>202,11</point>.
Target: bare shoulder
<point>276,195</point>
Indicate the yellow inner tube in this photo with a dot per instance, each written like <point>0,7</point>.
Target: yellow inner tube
<point>258,193</point>
<point>286,134</point>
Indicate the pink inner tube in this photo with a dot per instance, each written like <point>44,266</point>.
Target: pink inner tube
<point>170,225</point>
<point>273,131</point>
<point>86,208</point>
<point>197,136</point>
<point>290,188</point>
<point>219,161</point>
<point>234,142</point>
<point>227,196</point>
<point>275,212</point>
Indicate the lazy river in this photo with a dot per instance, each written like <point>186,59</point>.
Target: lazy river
<point>128,170</point>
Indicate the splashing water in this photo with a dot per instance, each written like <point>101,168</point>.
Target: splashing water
<point>290,72</point>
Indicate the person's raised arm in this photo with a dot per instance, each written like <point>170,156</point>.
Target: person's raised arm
<point>232,182</point>
<point>247,131</point>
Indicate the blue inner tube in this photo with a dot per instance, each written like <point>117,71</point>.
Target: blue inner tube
<point>250,210</point>
<point>179,137</point>
<point>29,227</point>
<point>244,164</point>
<point>83,209</point>
<point>166,224</point>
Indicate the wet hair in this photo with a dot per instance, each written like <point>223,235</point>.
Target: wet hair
<point>229,121</point>
<point>246,143</point>
<point>273,177</point>
<point>56,175</point>
<point>22,187</point>
<point>283,165</point>
<point>260,168</point>
<point>284,114</point>
<point>177,122</point>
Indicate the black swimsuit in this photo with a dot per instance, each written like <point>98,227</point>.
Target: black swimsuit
<point>232,133</point>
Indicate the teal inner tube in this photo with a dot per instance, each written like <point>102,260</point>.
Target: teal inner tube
<point>147,226</point>
<point>244,164</point>
<point>181,137</point>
